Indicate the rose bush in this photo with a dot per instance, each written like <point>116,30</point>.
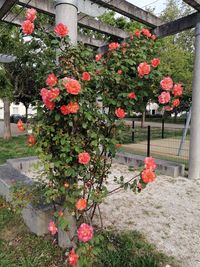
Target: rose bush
<point>82,103</point>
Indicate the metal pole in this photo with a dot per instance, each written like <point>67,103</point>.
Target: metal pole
<point>133,131</point>
<point>163,127</point>
<point>194,158</point>
<point>187,125</point>
<point>66,13</point>
<point>148,140</point>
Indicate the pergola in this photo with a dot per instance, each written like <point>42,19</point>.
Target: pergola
<point>82,13</point>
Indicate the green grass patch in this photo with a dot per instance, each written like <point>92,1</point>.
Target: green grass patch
<point>15,148</point>
<point>18,247</point>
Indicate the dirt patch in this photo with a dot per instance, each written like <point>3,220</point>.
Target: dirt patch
<point>167,212</point>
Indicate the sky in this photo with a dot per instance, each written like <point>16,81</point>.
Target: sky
<point>159,5</point>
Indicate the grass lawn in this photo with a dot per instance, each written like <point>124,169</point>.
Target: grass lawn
<point>18,247</point>
<point>15,148</point>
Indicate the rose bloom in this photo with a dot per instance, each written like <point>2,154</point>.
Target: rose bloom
<point>85,232</point>
<point>168,108</point>
<point>84,158</point>
<point>144,69</point>
<point>64,109</point>
<point>53,93</point>
<point>120,113</point>
<point>164,98</point>
<point>72,258</point>
<point>81,204</point>
<point>155,62</point>
<point>113,46</point>
<point>132,95</point>
<point>73,107</point>
<point>148,176</point>
<point>20,125</point>
<point>153,37</point>
<point>98,57</point>
<point>146,32</point>
<point>150,163</point>
<point>60,213</point>
<point>86,76</point>
<point>175,103</point>
<point>177,90</point>
<point>166,83</point>
<point>31,140</point>
<point>31,14</point>
<point>61,30</point>
<point>44,92</point>
<point>50,105</point>
<point>52,228</point>
<point>73,87</point>
<point>118,145</point>
<point>27,27</point>
<point>119,72</point>
<point>51,79</point>
<point>137,33</point>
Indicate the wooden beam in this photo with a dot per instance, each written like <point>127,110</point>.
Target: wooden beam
<point>5,6</point>
<point>47,7</point>
<point>178,25</point>
<point>131,11</point>
<point>193,3</point>
<point>81,37</point>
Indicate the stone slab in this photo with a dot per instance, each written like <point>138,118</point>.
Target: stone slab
<point>165,167</point>
<point>23,164</point>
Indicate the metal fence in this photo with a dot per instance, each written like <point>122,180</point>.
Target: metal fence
<point>157,141</point>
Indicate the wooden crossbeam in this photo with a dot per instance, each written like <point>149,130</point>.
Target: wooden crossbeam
<point>131,11</point>
<point>178,25</point>
<point>193,3</point>
<point>5,6</point>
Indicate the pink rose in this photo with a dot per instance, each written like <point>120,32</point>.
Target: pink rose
<point>85,232</point>
<point>164,98</point>
<point>84,158</point>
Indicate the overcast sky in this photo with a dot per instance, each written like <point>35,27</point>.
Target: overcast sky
<point>158,4</point>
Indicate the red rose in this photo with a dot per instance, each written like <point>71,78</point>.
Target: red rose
<point>20,125</point>
<point>177,90</point>
<point>146,32</point>
<point>119,72</point>
<point>86,76</point>
<point>72,258</point>
<point>137,33</point>
<point>120,113</point>
<point>81,204</point>
<point>98,57</point>
<point>31,140</point>
<point>132,95</point>
<point>51,79</point>
<point>27,27</point>
<point>150,163</point>
<point>54,93</point>
<point>113,46</point>
<point>155,62</point>
<point>164,98</point>
<point>153,37</point>
<point>61,30</point>
<point>175,103</point>
<point>73,107</point>
<point>144,69</point>
<point>148,176</point>
<point>166,83</point>
<point>31,14</point>
<point>64,109</point>
<point>50,105</point>
<point>84,158</point>
<point>72,86</point>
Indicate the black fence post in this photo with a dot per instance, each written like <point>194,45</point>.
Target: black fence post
<point>163,128</point>
<point>148,140</point>
<point>133,131</point>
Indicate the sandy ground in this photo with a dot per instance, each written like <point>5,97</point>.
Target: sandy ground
<point>167,212</point>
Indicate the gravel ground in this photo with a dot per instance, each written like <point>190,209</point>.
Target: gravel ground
<point>167,212</point>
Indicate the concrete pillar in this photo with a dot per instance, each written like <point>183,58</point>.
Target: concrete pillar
<point>194,158</point>
<point>66,13</point>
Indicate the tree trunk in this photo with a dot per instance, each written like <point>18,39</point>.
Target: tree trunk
<point>143,119</point>
<point>7,128</point>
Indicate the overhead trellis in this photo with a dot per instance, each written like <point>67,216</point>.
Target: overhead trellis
<point>158,27</point>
